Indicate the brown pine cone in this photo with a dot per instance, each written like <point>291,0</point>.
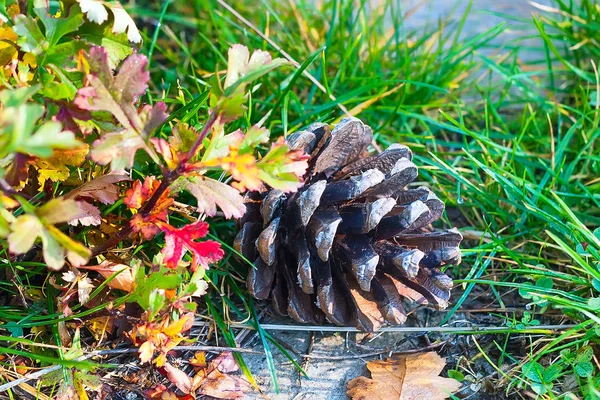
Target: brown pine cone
<point>352,245</point>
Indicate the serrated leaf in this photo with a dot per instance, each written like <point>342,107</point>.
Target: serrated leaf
<point>55,167</point>
<point>56,28</point>
<point>150,223</point>
<point>242,67</point>
<point>282,168</point>
<point>118,95</point>
<point>178,240</point>
<point>211,193</point>
<point>31,39</point>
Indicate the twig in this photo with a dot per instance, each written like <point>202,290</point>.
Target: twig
<point>402,329</point>
<point>375,353</point>
<point>168,178</point>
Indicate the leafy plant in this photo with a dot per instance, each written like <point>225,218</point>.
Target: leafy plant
<point>73,129</point>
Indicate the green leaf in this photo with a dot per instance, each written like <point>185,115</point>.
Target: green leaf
<point>48,137</point>
<point>162,279</point>
<point>533,371</point>
<point>552,372</point>
<point>544,282</point>
<point>584,369</point>
<point>56,28</point>
<point>18,133</point>
<point>156,301</point>
<point>31,39</point>
<point>16,97</point>
<point>594,303</point>
<point>63,90</point>
<point>586,353</point>
<point>455,374</point>
<point>538,388</point>
<point>116,45</point>
<point>63,52</point>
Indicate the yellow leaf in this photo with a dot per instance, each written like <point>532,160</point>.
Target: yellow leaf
<point>55,167</point>
<point>181,325</point>
<point>8,47</point>
<point>414,377</point>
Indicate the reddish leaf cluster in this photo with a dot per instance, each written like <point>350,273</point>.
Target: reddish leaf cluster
<point>148,224</point>
<point>177,240</point>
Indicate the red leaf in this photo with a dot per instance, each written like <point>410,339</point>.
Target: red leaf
<point>178,240</point>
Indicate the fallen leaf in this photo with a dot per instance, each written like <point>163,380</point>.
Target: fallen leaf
<point>413,377</point>
<point>177,377</point>
<point>102,189</point>
<point>123,281</point>
<point>215,380</point>
<point>55,167</point>
<point>199,360</point>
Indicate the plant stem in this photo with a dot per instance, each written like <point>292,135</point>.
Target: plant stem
<point>168,178</point>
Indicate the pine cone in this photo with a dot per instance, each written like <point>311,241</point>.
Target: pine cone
<point>351,245</point>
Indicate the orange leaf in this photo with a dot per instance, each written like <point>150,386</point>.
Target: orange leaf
<point>414,377</point>
<point>199,359</point>
<point>135,199</point>
<point>216,381</point>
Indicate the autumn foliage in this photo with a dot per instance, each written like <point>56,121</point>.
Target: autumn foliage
<point>75,132</point>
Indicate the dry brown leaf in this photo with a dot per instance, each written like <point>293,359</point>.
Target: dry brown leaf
<point>216,380</point>
<point>414,377</point>
<point>102,189</point>
<point>123,281</point>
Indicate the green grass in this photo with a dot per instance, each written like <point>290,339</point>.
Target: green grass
<point>511,147</point>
